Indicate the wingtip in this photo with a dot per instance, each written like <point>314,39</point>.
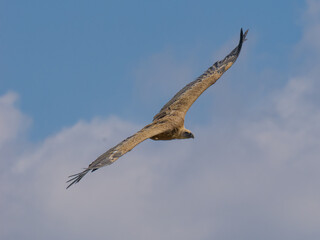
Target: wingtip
<point>244,34</point>
<point>75,178</point>
<point>242,39</point>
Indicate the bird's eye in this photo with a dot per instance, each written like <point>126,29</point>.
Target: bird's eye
<point>188,135</point>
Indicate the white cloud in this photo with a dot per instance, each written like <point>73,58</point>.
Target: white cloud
<point>260,174</point>
<point>13,127</point>
<point>12,121</point>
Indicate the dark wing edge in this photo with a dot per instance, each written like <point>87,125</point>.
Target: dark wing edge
<point>218,67</point>
<point>120,149</point>
<point>235,52</point>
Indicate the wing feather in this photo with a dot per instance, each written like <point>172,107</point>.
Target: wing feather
<point>183,100</point>
<point>122,148</point>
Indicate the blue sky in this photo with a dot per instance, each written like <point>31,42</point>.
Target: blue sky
<point>71,60</point>
<point>77,77</point>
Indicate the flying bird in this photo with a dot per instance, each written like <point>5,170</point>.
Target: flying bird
<point>168,124</point>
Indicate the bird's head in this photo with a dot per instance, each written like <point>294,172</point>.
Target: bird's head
<point>186,134</point>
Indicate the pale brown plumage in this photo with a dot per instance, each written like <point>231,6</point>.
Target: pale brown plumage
<point>168,124</point>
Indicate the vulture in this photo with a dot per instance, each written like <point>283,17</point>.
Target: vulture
<point>168,124</point>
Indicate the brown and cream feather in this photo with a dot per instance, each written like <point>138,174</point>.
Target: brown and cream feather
<point>168,124</point>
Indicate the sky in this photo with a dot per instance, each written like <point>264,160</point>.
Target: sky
<point>77,77</point>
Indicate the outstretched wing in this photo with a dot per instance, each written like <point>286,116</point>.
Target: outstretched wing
<point>122,148</point>
<point>183,100</point>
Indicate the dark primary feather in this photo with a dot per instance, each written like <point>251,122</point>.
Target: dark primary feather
<point>75,178</point>
<point>104,159</point>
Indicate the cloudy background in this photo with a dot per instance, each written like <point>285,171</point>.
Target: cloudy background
<point>77,77</point>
